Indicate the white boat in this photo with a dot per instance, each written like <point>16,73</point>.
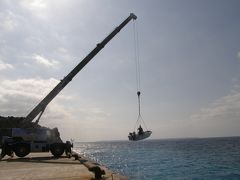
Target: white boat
<point>137,137</point>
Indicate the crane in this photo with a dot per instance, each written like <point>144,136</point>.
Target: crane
<point>27,138</point>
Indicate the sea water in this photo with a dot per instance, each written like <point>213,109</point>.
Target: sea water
<point>200,158</point>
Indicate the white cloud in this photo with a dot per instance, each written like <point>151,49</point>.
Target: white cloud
<point>8,20</point>
<point>4,66</point>
<point>35,4</point>
<point>36,7</point>
<point>33,88</point>
<point>18,97</point>
<point>63,54</point>
<point>238,54</point>
<point>221,118</point>
<point>44,61</point>
<point>62,50</point>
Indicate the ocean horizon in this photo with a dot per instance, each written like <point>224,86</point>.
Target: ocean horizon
<point>153,139</point>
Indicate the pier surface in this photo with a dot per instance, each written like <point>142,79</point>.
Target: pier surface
<point>45,166</point>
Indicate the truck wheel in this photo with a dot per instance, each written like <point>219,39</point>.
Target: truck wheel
<point>68,150</point>
<point>57,150</point>
<point>21,150</point>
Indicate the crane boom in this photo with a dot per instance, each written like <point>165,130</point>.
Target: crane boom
<point>39,109</point>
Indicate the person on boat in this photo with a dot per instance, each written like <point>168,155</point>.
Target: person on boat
<point>134,135</point>
<point>140,130</point>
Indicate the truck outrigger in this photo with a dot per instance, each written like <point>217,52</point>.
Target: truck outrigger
<point>20,135</point>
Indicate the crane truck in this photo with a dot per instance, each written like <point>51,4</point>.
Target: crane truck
<point>20,135</point>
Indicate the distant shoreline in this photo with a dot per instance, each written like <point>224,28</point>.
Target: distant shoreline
<point>181,138</point>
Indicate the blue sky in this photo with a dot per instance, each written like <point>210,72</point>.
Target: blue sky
<point>189,53</point>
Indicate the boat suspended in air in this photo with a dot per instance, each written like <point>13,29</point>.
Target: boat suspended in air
<point>141,134</point>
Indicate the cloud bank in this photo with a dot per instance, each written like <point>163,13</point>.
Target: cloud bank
<point>4,66</point>
<point>18,97</point>
<point>44,61</point>
<point>221,118</point>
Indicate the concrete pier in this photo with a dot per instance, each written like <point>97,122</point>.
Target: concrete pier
<point>45,166</point>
